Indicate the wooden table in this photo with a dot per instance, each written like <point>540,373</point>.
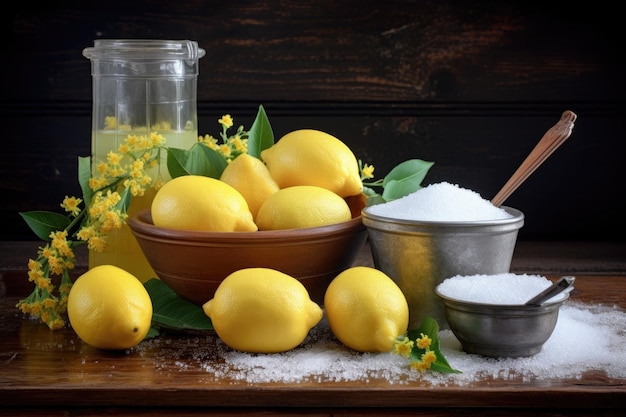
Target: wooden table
<point>47,373</point>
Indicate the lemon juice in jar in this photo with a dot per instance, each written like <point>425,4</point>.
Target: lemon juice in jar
<point>141,87</point>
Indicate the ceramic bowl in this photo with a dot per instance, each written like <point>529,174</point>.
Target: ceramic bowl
<point>502,330</point>
<point>193,264</point>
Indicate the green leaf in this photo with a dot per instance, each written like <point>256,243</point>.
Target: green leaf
<point>152,333</point>
<point>171,311</point>
<point>405,178</point>
<point>411,168</point>
<point>373,197</point>
<point>124,203</point>
<point>176,162</point>
<point>430,327</point>
<point>398,189</point>
<point>260,135</point>
<point>199,160</point>
<point>42,223</point>
<point>84,174</point>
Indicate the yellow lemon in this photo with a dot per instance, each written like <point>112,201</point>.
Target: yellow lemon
<point>109,308</point>
<point>262,310</point>
<point>198,203</point>
<point>312,157</point>
<point>252,179</point>
<point>366,310</point>
<point>300,207</point>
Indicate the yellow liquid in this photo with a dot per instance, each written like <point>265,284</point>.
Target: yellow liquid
<point>122,248</point>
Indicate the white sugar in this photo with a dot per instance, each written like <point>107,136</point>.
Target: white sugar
<point>440,202</point>
<point>586,337</point>
<point>506,288</point>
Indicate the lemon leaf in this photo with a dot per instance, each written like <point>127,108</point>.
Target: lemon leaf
<point>124,203</point>
<point>84,174</point>
<point>405,178</point>
<point>173,312</point>
<point>152,333</point>
<point>42,223</point>
<point>413,170</point>
<point>199,160</point>
<point>260,135</point>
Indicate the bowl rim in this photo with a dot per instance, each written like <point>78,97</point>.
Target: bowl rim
<point>141,223</point>
<point>505,307</point>
<point>517,216</point>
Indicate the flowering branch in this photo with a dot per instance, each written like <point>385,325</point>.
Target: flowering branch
<point>103,209</point>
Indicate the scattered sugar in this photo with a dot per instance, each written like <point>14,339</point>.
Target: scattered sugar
<point>440,202</point>
<point>509,288</point>
<point>586,337</point>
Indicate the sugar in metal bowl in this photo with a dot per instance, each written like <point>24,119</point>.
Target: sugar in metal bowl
<point>419,255</point>
<point>492,328</point>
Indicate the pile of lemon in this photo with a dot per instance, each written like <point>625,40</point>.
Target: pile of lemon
<point>299,182</point>
<point>302,181</point>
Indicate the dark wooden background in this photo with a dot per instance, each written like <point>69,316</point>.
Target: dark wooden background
<point>471,86</point>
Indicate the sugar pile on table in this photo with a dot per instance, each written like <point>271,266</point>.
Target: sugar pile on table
<point>586,337</point>
<point>509,288</point>
<point>440,202</point>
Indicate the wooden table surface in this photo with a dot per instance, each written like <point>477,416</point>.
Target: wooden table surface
<point>47,373</point>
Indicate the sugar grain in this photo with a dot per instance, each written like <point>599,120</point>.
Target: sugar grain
<point>586,337</point>
<point>509,288</point>
<point>440,202</point>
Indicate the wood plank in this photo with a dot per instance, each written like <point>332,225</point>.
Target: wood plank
<point>44,368</point>
<point>339,51</point>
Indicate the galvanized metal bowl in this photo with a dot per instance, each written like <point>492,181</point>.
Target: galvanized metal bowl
<point>419,255</point>
<point>502,330</point>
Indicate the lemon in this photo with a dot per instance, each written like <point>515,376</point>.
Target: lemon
<point>199,203</point>
<point>366,310</point>
<point>252,179</point>
<point>262,310</point>
<point>109,308</point>
<point>300,207</point>
<point>312,157</point>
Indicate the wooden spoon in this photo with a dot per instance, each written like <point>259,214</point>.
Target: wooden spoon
<point>551,140</point>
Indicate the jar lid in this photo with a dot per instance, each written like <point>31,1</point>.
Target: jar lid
<point>143,49</point>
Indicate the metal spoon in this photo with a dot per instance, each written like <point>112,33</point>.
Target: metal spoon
<point>563,284</point>
<point>551,140</point>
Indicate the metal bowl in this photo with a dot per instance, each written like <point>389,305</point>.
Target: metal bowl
<point>500,330</point>
<point>419,255</point>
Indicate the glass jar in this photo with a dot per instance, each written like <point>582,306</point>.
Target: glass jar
<point>140,86</point>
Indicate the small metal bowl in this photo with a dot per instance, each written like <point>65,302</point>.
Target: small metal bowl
<point>502,330</point>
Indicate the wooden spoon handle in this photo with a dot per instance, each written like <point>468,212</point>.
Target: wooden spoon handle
<point>551,140</point>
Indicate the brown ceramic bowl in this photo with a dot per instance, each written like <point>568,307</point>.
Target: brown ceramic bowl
<point>193,264</point>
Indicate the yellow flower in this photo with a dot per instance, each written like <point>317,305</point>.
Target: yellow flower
<point>239,145</point>
<point>113,158</point>
<point>403,347</point>
<point>429,357</point>
<point>424,341</point>
<point>209,141</point>
<point>35,275</point>
<point>71,205</point>
<point>97,243</point>
<point>226,121</point>
<point>419,366</point>
<point>367,172</point>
